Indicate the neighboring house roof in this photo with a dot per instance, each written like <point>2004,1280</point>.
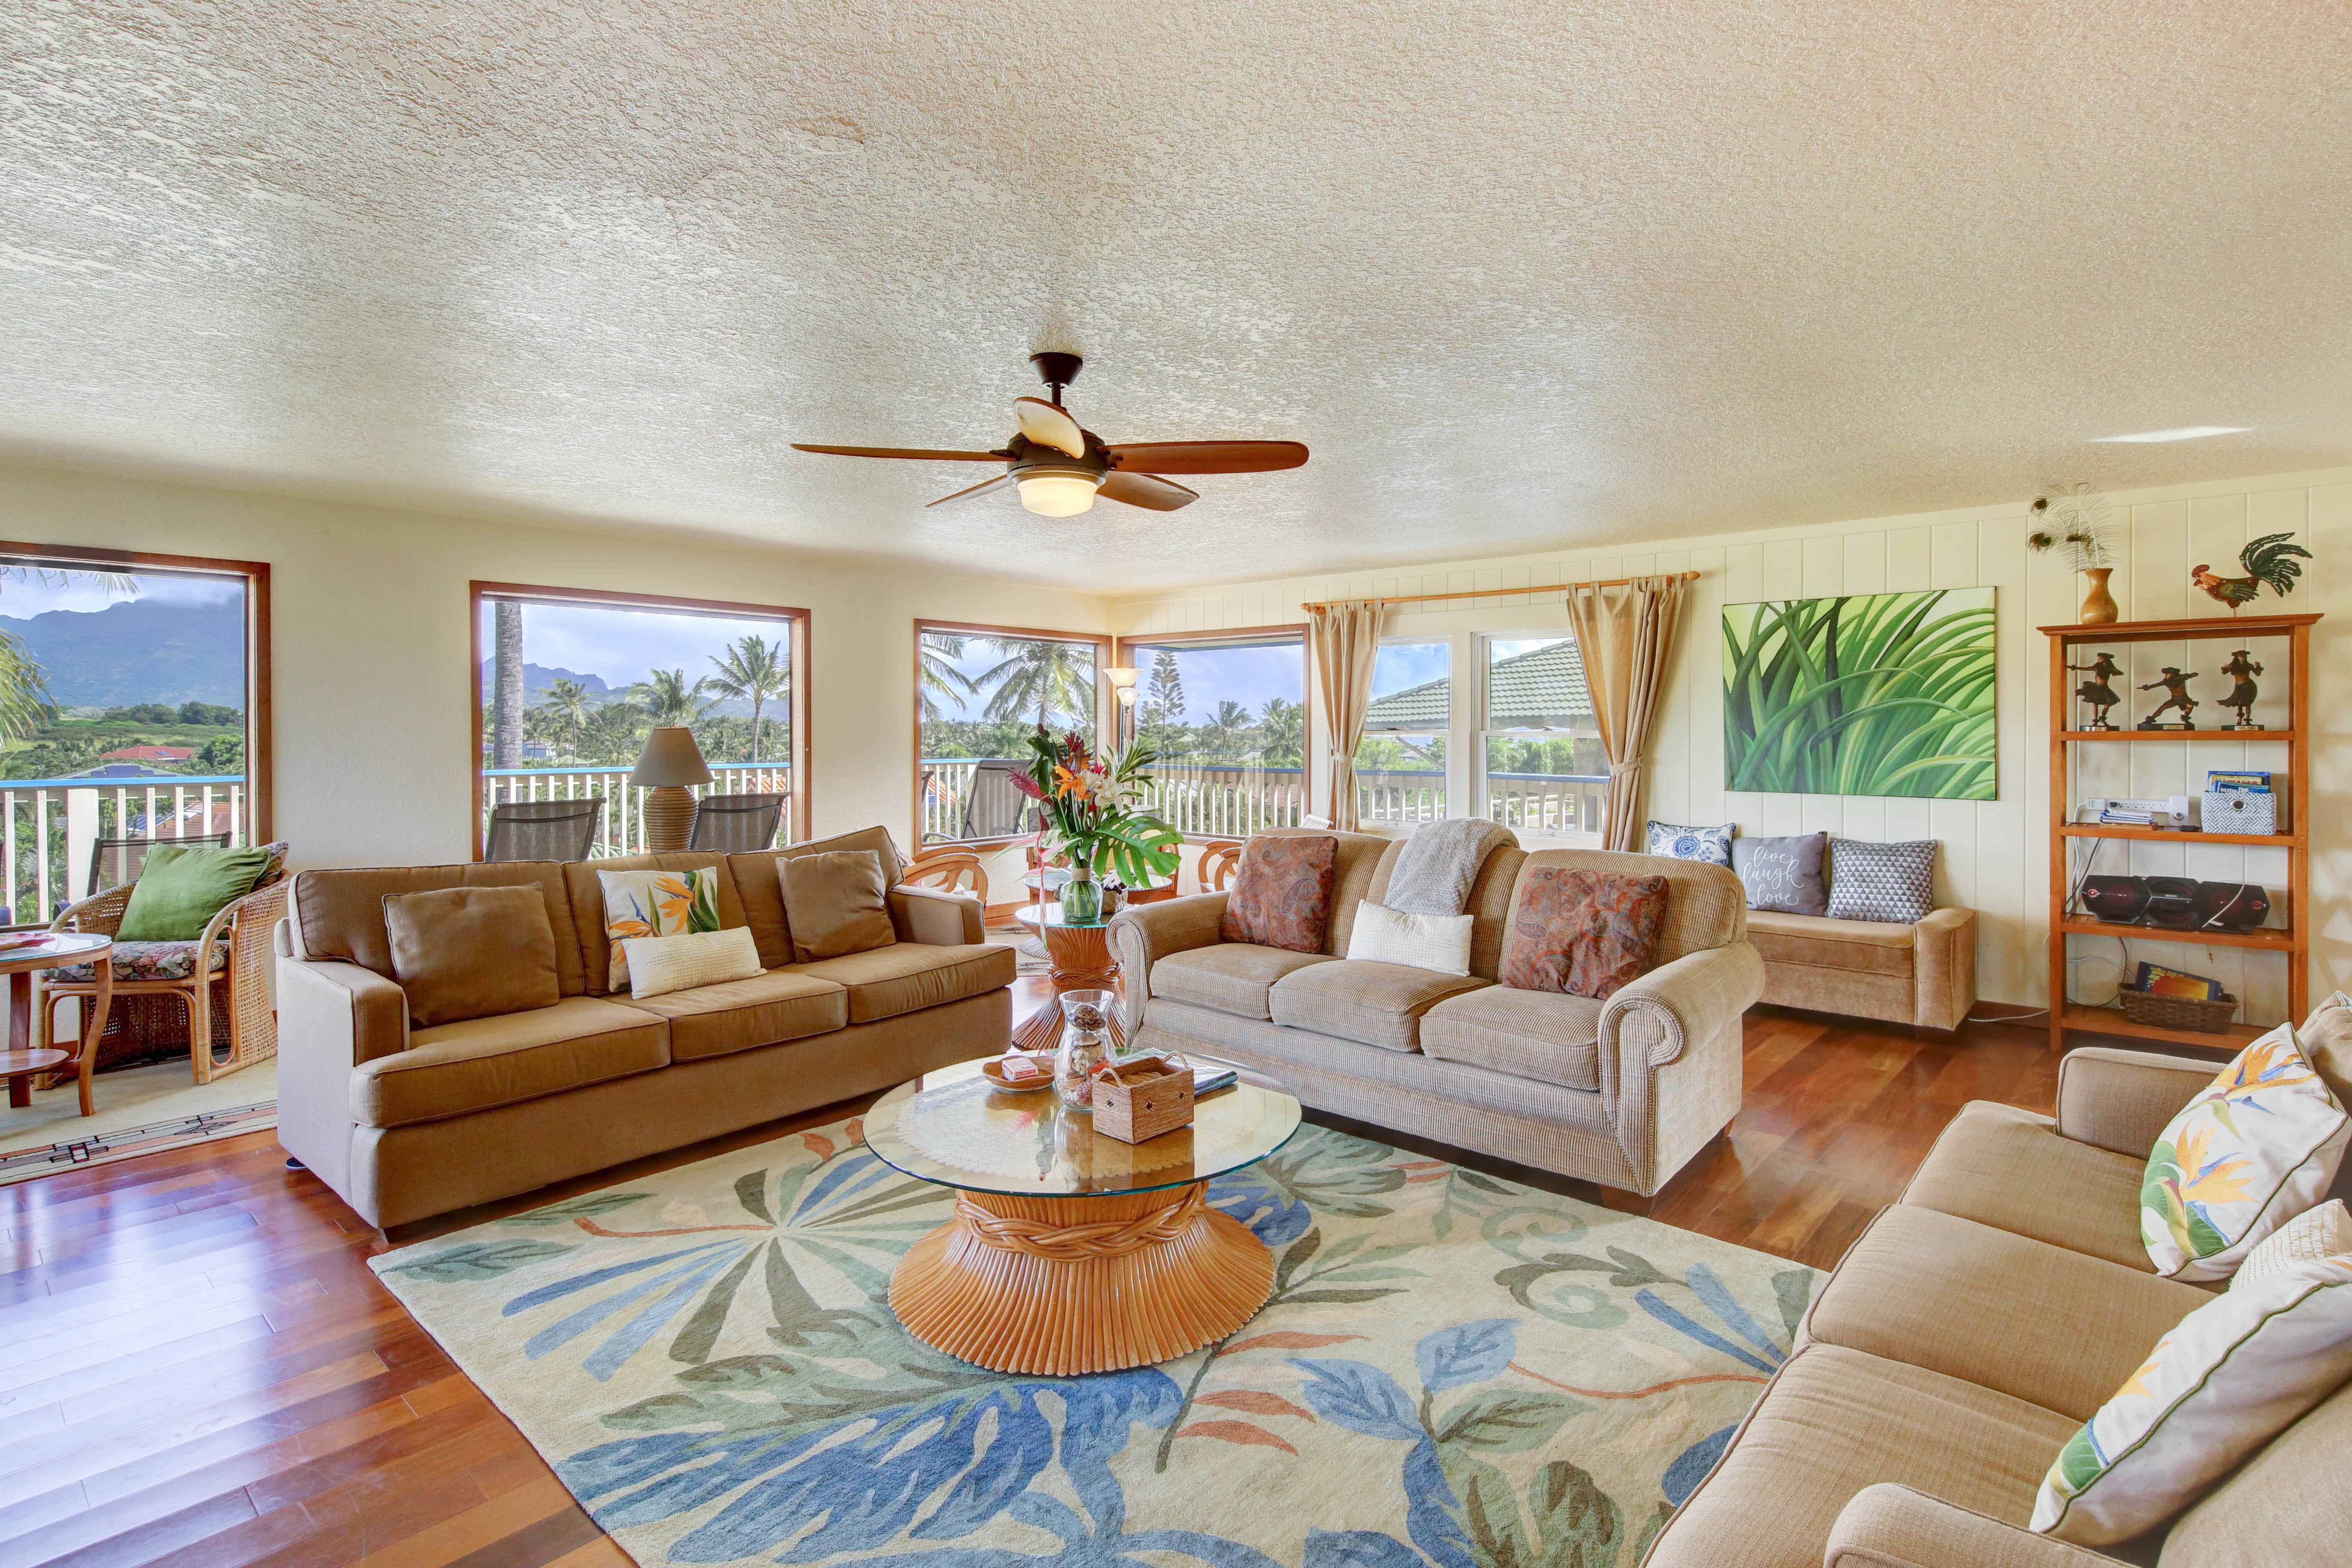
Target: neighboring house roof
<point>1543,689</point>
<point>148,755</point>
<point>123,771</point>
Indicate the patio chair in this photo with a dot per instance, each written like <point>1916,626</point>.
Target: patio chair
<point>994,808</point>
<point>733,823</point>
<point>117,862</point>
<point>228,986</point>
<point>543,829</point>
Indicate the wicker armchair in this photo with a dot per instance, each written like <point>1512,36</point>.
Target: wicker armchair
<point>235,992</point>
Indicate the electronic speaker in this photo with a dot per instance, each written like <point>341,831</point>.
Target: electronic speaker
<point>2121,899</point>
<point>2231,906</point>
<point>2173,902</point>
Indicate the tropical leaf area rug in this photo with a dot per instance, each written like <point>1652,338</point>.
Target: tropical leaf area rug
<point>1454,1371</point>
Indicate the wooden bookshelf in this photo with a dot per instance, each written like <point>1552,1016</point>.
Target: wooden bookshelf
<point>2293,940</point>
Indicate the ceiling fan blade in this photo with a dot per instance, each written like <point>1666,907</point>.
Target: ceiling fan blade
<point>1049,426</point>
<point>1148,490</point>
<point>923,453</point>
<point>1208,456</point>
<point>998,483</point>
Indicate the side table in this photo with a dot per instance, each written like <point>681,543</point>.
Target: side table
<point>1079,952</point>
<point>20,1063</point>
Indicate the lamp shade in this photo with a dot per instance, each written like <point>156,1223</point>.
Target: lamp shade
<point>1120,675</point>
<point>670,757</point>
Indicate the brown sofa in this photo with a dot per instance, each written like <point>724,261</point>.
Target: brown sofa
<point>1621,1092</point>
<point>1966,1335</point>
<point>1923,975</point>
<point>408,1122</point>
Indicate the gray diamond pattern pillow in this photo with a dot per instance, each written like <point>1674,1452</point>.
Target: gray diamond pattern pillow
<point>1890,883</point>
<point>1712,845</point>
<point>1783,875</point>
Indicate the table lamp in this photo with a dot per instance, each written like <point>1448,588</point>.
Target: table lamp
<point>668,765</point>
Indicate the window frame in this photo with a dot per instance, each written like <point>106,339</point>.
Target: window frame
<point>1103,643</point>
<point>260,754</point>
<point>799,705</point>
<point>1481,730</point>
<point>1123,716</point>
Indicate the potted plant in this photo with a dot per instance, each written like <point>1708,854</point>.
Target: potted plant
<point>1088,807</point>
<point>2075,521</point>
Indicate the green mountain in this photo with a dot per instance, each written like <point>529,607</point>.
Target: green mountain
<point>137,651</point>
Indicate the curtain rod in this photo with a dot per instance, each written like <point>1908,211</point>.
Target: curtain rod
<point>1504,592</point>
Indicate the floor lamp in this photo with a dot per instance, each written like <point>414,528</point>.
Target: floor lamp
<point>670,763</point>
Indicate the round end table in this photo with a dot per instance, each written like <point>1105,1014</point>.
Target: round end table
<point>1071,1252</point>
<point>20,1063</point>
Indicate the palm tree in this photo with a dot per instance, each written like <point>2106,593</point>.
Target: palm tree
<point>754,670</point>
<point>940,673</point>
<point>1054,680</point>
<point>613,734</point>
<point>1282,725</point>
<point>1226,724</point>
<point>669,700</point>
<point>569,703</point>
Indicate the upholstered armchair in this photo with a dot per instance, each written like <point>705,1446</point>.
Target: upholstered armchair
<point>232,978</point>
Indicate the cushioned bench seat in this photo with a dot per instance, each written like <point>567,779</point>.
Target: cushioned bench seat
<point>1924,975</point>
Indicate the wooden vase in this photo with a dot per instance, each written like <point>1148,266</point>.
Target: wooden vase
<point>668,818</point>
<point>2098,605</point>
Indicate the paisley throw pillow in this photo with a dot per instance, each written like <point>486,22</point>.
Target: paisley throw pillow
<point>1710,844</point>
<point>2254,1149</point>
<point>1281,897</point>
<point>1586,933</point>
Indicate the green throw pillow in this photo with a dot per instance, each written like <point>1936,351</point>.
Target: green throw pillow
<point>182,887</point>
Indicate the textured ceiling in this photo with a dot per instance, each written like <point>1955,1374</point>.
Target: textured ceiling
<point>1520,274</point>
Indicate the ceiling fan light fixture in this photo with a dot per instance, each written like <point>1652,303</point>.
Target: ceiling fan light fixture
<point>1063,492</point>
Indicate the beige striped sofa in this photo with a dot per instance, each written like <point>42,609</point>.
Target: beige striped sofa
<point>1621,1092</point>
<point>1973,1327</point>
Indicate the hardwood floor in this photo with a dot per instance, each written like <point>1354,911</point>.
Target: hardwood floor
<point>197,1367</point>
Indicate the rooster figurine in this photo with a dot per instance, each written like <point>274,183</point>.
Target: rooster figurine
<point>2270,559</point>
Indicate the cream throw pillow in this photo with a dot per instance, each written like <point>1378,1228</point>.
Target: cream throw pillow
<point>660,964</point>
<point>654,903</point>
<point>2253,1150</point>
<point>2311,1237</point>
<point>1383,935</point>
<point>2228,1377</point>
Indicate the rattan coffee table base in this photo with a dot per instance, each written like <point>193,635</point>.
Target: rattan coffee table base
<point>1063,1286</point>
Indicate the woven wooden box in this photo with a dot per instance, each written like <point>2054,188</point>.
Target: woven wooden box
<point>1142,1097</point>
<point>2179,1012</point>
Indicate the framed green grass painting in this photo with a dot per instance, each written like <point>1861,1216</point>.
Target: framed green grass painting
<point>1887,694</point>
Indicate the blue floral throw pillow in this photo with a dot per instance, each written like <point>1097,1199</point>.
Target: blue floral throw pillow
<point>1712,845</point>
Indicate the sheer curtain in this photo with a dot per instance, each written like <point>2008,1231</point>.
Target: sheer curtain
<point>1626,635</point>
<point>1346,637</point>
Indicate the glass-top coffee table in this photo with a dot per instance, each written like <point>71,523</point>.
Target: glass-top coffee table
<point>1071,1252</point>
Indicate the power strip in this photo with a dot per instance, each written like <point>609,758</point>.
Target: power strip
<point>2160,807</point>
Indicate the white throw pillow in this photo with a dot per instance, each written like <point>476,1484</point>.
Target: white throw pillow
<point>2311,1237</point>
<point>660,964</point>
<point>1383,935</point>
<point>2253,1150</point>
<point>2228,1377</point>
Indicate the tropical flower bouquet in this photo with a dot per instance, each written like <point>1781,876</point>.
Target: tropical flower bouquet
<point>1087,805</point>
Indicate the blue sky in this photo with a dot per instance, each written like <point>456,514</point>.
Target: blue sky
<point>1402,666</point>
<point>625,646</point>
<point>31,593</point>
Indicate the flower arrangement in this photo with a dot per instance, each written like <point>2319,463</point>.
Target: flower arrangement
<point>1088,807</point>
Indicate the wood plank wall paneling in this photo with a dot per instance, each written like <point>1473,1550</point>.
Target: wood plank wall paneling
<point>1995,852</point>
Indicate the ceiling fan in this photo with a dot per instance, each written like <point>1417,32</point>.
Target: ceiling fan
<point>1060,468</point>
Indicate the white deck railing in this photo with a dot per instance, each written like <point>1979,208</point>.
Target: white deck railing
<point>47,826</point>
<point>1217,800</point>
<point>621,831</point>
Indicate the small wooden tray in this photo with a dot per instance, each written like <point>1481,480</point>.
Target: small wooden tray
<point>1143,1096</point>
<point>990,1070</point>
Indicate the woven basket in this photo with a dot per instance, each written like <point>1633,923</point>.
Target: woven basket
<point>2179,1012</point>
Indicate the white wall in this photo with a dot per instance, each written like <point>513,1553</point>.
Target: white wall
<point>1996,856</point>
<point>370,645</point>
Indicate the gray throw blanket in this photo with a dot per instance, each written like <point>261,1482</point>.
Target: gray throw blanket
<point>1438,863</point>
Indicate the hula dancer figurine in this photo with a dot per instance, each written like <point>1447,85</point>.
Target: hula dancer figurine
<point>2098,691</point>
<point>2243,668</point>
<point>2176,687</point>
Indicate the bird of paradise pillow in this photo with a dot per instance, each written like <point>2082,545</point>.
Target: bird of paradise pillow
<point>2254,1149</point>
<point>656,903</point>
